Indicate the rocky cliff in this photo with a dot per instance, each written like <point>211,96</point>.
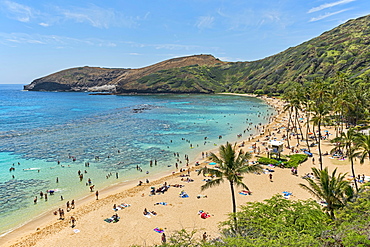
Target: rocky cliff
<point>113,80</point>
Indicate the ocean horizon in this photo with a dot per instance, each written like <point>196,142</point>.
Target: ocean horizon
<point>49,138</point>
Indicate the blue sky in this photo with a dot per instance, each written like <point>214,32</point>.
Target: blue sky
<point>40,37</point>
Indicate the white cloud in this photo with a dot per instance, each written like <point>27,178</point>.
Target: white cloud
<point>51,40</point>
<point>205,22</point>
<point>329,5</point>
<point>327,15</point>
<point>44,24</point>
<point>97,17</point>
<point>18,11</point>
<point>92,15</point>
<point>250,18</point>
<point>172,47</point>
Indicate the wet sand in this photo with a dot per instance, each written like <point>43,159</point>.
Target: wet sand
<point>134,228</point>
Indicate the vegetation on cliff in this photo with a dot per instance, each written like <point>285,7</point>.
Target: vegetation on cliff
<point>344,48</point>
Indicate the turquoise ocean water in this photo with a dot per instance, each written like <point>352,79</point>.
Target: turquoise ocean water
<point>38,129</point>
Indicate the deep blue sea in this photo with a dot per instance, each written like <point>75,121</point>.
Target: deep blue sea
<point>114,134</point>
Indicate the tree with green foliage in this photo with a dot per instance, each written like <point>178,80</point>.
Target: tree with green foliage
<point>334,190</point>
<point>319,117</point>
<point>347,140</point>
<point>363,145</point>
<point>279,222</point>
<point>351,227</point>
<point>276,222</point>
<point>232,165</point>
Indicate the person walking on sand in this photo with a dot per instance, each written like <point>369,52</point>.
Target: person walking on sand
<point>164,240</point>
<point>205,236</point>
<point>72,221</point>
<point>270,175</point>
<point>97,195</point>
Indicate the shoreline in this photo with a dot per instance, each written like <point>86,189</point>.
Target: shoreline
<point>46,221</point>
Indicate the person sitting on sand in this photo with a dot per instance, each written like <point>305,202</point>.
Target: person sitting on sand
<point>145,212</point>
<point>115,218</point>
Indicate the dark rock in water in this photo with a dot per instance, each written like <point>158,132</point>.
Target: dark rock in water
<point>48,86</point>
<point>142,108</point>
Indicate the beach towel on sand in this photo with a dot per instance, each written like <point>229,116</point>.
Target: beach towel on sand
<point>183,194</point>
<point>245,192</point>
<point>122,206</point>
<point>203,214</point>
<point>287,194</point>
<point>159,230</point>
<point>161,203</point>
<point>112,219</point>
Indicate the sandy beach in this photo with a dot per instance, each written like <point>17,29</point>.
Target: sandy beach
<point>172,212</point>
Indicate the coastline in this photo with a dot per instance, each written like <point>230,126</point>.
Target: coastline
<point>45,224</point>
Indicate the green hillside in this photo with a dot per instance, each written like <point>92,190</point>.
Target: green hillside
<point>344,48</point>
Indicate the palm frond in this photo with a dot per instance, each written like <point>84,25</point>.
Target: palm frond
<point>212,183</point>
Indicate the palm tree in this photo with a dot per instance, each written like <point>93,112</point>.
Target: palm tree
<point>332,189</point>
<point>363,144</point>
<point>347,140</point>
<point>319,117</point>
<point>294,99</point>
<point>308,107</point>
<point>321,104</point>
<point>232,165</point>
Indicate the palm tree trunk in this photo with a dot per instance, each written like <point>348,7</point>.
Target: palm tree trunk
<point>234,205</point>
<point>320,155</point>
<point>297,124</point>
<point>331,210</point>
<point>307,130</point>
<point>288,127</point>
<point>300,130</point>
<point>353,173</point>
